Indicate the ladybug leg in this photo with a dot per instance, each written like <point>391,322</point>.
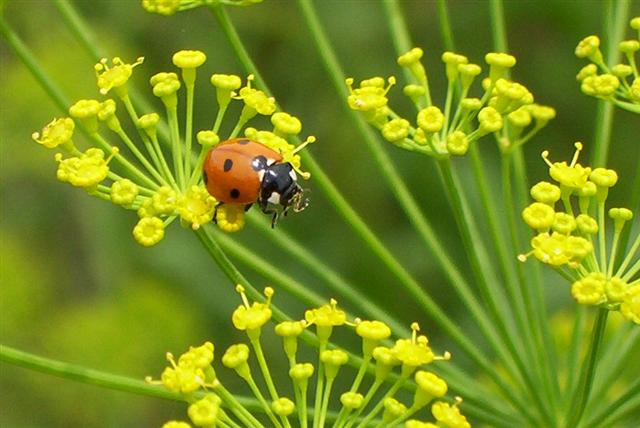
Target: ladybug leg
<point>264,205</point>
<point>215,212</point>
<point>247,207</point>
<point>265,209</point>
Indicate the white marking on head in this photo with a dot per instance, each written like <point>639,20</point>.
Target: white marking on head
<point>261,175</point>
<point>293,175</point>
<point>274,198</point>
<point>270,161</point>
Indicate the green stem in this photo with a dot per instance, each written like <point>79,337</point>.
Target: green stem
<point>480,262</point>
<point>123,161</point>
<point>389,172</point>
<point>519,302</point>
<point>238,47</point>
<point>325,401</point>
<point>367,398</point>
<point>176,146</point>
<point>138,154</point>
<point>219,116</point>
<point>380,404</point>
<point>399,33</point>
<point>405,199</point>
<point>531,288</point>
<point>89,42</point>
<point>188,132</point>
<point>265,405</point>
<point>343,207</point>
<point>80,30</point>
<point>573,355</point>
<point>629,258</point>
<point>402,42</point>
<point>520,299</point>
<point>303,408</point>
<point>616,358</point>
<point>498,27</point>
<point>634,205</point>
<point>628,404</point>
<point>445,26</point>
<point>238,407</point>
<point>634,269</point>
<point>336,282</point>
<point>151,143</point>
<point>319,387</point>
<point>267,269</point>
<point>264,368</point>
<point>33,65</point>
<point>85,375</point>
<point>616,13</point>
<point>207,239</point>
<point>602,243</point>
<point>588,370</point>
<point>163,161</point>
<point>447,108</point>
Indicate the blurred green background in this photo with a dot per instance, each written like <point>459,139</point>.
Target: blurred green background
<point>76,287</point>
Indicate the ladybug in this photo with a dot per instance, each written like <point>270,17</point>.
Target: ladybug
<point>242,171</point>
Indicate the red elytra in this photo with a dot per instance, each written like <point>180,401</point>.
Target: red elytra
<point>229,170</point>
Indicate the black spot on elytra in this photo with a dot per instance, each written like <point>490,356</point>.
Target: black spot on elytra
<point>235,193</point>
<point>204,177</point>
<point>228,164</point>
<point>243,142</point>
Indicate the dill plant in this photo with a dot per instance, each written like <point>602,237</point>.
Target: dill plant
<point>520,376</point>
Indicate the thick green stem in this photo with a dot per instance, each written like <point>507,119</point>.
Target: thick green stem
<point>498,27</point>
<point>445,26</point>
<point>616,19</point>
<point>35,68</point>
<point>85,375</point>
<point>399,33</point>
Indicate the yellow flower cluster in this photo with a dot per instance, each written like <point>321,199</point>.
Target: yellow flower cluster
<point>572,239</point>
<point>138,176</point>
<point>506,109</point>
<point>618,83</point>
<point>211,403</point>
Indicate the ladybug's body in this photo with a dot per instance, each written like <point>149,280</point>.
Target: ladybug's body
<point>241,171</point>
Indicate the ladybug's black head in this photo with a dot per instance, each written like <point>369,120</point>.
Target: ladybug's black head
<point>279,190</point>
